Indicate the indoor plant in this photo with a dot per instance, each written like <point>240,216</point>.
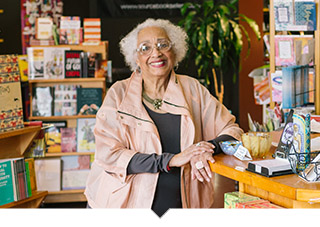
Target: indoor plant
<point>215,39</point>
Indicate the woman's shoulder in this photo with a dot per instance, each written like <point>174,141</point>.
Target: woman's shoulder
<point>188,81</point>
<point>119,87</point>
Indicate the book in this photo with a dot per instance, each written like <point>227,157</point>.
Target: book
<point>93,63</point>
<point>35,63</point>
<point>276,80</point>
<point>288,89</point>
<point>68,140</point>
<point>298,15</point>
<point>65,100</point>
<point>75,170</point>
<point>54,61</point>
<point>23,67</point>
<point>73,64</point>
<point>38,146</point>
<point>92,30</point>
<point>48,174</point>
<point>29,191</point>
<point>20,171</point>
<point>32,174</point>
<point>70,31</point>
<point>84,64</point>
<point>295,86</point>
<point>284,16</point>
<point>85,136</point>
<point>44,27</point>
<point>284,50</point>
<point>11,112</point>
<point>53,136</point>
<point>43,101</point>
<point>89,100</point>
<point>305,15</point>
<point>102,70</point>
<point>8,192</point>
<point>285,141</point>
<point>304,49</point>
<point>300,149</point>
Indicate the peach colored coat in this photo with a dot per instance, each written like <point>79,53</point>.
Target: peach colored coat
<point>123,128</point>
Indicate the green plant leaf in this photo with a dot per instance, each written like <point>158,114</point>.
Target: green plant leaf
<point>252,24</point>
<point>185,7</point>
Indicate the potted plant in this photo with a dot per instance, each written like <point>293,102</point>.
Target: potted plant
<point>215,39</point>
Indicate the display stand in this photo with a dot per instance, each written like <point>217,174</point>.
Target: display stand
<point>13,144</point>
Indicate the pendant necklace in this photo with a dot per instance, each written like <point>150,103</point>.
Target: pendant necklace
<point>155,102</point>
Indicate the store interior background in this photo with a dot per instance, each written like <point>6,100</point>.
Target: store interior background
<point>238,97</point>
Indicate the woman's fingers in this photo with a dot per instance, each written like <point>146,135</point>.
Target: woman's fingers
<point>200,167</point>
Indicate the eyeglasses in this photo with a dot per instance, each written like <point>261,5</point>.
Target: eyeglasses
<point>146,48</point>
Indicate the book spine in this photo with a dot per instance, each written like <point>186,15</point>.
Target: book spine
<point>84,64</point>
<point>6,183</point>
<point>29,192</point>
<point>21,178</point>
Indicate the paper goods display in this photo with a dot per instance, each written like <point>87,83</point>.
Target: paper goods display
<point>232,198</point>
<point>257,204</point>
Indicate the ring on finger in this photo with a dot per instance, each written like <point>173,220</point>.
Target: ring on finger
<point>198,144</point>
<point>199,165</point>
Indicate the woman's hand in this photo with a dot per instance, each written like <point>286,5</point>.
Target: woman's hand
<point>185,156</point>
<point>200,168</point>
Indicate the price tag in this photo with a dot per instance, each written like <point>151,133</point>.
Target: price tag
<point>242,153</point>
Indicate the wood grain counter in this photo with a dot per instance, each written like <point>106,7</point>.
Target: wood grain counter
<point>288,191</point>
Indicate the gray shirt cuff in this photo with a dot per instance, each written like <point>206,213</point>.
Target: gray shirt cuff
<point>149,163</point>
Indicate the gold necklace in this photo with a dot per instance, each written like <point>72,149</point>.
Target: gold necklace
<point>157,103</point>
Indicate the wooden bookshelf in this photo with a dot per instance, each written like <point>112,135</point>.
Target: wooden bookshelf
<point>101,48</point>
<point>31,202</point>
<point>13,144</point>
<point>67,154</point>
<point>60,118</point>
<point>70,195</point>
<point>66,196</point>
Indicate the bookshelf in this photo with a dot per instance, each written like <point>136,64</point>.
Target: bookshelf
<point>13,144</point>
<point>63,196</point>
<point>316,35</point>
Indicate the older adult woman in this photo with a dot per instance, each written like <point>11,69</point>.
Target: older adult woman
<point>157,130</point>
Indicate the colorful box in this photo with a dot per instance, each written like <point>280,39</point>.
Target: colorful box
<point>11,113</point>
<point>232,198</point>
<point>257,204</point>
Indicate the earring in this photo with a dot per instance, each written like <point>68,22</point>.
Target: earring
<point>176,67</point>
<point>138,69</point>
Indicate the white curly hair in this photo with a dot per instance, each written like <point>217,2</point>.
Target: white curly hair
<point>176,34</point>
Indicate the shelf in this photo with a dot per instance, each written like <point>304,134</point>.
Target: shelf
<point>14,143</point>
<point>70,80</point>
<point>60,118</point>
<point>101,48</point>
<point>67,154</point>
<point>32,202</point>
<point>66,196</point>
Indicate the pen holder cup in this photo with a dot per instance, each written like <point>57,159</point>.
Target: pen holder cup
<point>258,143</point>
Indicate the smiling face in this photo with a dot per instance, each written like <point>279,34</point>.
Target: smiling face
<point>158,63</point>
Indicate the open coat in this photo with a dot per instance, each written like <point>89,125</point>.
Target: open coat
<point>123,128</point>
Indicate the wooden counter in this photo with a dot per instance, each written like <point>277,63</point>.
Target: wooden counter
<point>287,191</point>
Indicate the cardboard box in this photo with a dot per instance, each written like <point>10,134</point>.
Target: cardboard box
<point>11,113</point>
<point>232,198</point>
